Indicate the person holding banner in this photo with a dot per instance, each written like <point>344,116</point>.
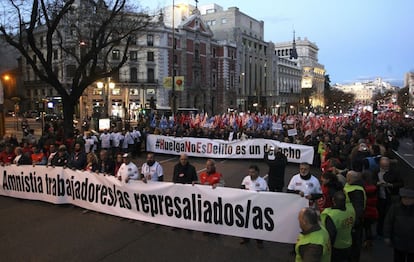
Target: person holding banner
<point>305,184</point>
<point>21,159</point>
<point>184,172</point>
<point>61,158</point>
<point>253,181</point>
<point>106,165</point>
<point>257,183</point>
<point>128,169</point>
<point>211,176</point>
<point>152,170</point>
<point>7,155</point>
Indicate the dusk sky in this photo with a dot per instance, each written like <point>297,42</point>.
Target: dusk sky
<point>357,40</point>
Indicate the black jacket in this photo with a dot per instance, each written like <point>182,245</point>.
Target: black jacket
<point>399,226</point>
<point>184,174</point>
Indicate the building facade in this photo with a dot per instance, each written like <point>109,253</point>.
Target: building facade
<point>409,82</point>
<point>305,54</point>
<point>254,58</point>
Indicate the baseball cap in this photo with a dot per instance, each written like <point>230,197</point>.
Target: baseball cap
<point>125,155</point>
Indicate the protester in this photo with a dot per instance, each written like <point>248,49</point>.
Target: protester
<point>305,184</point>
<point>7,155</point>
<point>118,162</point>
<point>313,243</point>
<point>355,195</point>
<point>371,211</point>
<point>388,182</point>
<point>38,157</point>
<point>128,170</point>
<point>253,182</point>
<point>51,154</point>
<point>184,172</point>
<point>105,164</point>
<point>61,158</point>
<point>77,159</point>
<point>330,185</point>
<point>399,226</point>
<point>105,138</point>
<point>277,163</point>
<point>152,170</point>
<point>211,176</point>
<point>20,158</point>
<point>338,221</point>
<point>91,162</point>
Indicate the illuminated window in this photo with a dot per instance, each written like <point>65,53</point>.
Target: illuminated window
<point>116,54</point>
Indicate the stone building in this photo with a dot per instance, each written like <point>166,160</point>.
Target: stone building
<point>313,73</point>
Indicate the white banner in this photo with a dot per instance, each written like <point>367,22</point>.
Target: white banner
<point>236,149</point>
<point>258,215</point>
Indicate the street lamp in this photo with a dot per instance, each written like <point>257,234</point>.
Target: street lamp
<point>105,87</point>
<point>173,102</point>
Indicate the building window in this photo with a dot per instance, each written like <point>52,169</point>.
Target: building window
<point>150,56</point>
<point>133,78</point>
<point>133,92</point>
<point>223,20</point>
<point>116,91</point>
<point>97,91</point>
<point>116,54</point>
<point>214,80</point>
<point>55,54</point>
<point>133,55</point>
<point>150,40</point>
<point>197,53</point>
<point>211,22</point>
<point>70,70</point>
<point>133,39</point>
<point>56,71</point>
<point>151,75</point>
<point>210,11</point>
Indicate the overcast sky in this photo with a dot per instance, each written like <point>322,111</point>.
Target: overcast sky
<point>357,39</point>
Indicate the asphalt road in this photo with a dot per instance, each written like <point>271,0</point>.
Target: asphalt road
<point>38,231</point>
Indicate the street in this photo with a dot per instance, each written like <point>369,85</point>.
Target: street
<point>38,231</point>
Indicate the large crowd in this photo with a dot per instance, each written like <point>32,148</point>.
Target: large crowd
<point>360,187</point>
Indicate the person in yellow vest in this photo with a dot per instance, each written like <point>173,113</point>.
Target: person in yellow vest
<point>313,243</point>
<point>338,221</point>
<point>355,195</point>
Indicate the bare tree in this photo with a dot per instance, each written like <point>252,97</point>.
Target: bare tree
<point>83,32</point>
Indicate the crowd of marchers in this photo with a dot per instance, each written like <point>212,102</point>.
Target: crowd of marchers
<point>361,194</point>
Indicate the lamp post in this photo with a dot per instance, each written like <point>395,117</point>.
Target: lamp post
<point>105,94</point>
<point>173,101</point>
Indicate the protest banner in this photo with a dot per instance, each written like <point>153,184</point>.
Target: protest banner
<point>260,215</point>
<point>236,149</point>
